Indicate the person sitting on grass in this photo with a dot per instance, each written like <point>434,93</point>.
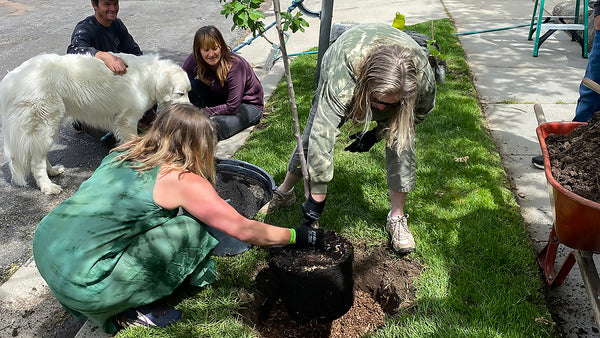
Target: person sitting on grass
<point>118,245</point>
<point>223,83</point>
<point>372,72</point>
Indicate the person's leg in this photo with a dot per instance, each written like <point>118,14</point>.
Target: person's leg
<point>397,199</point>
<point>589,101</point>
<point>289,182</point>
<point>229,125</point>
<point>400,179</point>
<point>284,195</point>
<point>152,266</point>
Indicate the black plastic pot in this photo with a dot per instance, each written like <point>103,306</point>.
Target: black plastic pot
<point>247,188</point>
<point>321,292</point>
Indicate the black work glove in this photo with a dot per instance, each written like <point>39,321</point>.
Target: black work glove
<point>307,236</point>
<point>312,209</point>
<point>363,142</point>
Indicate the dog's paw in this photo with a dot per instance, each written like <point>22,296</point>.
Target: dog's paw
<point>51,189</point>
<point>55,170</point>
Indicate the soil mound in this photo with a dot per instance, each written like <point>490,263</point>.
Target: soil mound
<point>383,284</point>
<point>575,160</point>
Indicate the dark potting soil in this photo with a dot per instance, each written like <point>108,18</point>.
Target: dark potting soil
<point>310,258</point>
<point>245,194</point>
<point>575,159</point>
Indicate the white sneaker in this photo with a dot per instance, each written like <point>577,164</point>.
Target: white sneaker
<point>400,236</point>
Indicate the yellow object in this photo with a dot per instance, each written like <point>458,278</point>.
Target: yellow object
<point>399,21</point>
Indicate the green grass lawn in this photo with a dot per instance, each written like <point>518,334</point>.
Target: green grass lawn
<point>480,277</point>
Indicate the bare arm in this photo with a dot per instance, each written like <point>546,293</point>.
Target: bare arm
<point>199,198</point>
<point>114,63</point>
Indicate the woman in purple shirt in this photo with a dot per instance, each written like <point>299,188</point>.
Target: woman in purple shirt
<point>223,84</point>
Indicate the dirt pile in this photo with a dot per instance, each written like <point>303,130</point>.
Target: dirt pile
<point>383,284</point>
<point>575,159</point>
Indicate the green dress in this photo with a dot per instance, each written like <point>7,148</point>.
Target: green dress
<point>110,247</point>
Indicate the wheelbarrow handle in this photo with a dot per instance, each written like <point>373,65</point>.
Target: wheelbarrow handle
<point>591,84</point>
<point>539,113</point>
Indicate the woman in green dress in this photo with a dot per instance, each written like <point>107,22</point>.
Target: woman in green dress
<point>118,244</point>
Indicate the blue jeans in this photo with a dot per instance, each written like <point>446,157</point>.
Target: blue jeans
<point>589,101</point>
<point>227,125</point>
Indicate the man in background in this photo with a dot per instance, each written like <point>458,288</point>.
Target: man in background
<point>100,35</point>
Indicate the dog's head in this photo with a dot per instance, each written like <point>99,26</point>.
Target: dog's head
<point>172,84</point>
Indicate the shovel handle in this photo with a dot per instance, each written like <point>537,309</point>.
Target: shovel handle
<point>539,113</point>
<point>591,84</point>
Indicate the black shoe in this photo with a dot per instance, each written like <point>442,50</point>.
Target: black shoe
<point>152,315</point>
<point>538,161</point>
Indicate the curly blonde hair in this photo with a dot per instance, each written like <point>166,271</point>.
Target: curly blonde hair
<point>388,70</point>
<point>182,138</point>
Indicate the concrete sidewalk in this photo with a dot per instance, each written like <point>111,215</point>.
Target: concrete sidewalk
<point>508,79</point>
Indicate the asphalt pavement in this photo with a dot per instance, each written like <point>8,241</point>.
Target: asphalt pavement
<point>508,80</point>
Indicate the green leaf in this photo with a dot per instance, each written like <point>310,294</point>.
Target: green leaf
<point>255,15</point>
<point>239,7</point>
<point>254,4</point>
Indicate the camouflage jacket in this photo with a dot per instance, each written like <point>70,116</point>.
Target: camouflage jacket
<point>336,86</point>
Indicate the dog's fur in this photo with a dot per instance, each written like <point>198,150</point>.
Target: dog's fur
<point>36,97</point>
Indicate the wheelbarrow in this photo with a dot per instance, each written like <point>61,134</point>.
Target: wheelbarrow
<point>576,223</point>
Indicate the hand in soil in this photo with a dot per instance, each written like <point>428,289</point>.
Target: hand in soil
<point>307,236</point>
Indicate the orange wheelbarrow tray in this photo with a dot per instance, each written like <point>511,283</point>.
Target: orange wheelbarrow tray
<point>576,219</point>
<point>576,224</point>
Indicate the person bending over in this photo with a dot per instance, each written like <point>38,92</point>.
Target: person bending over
<point>372,72</point>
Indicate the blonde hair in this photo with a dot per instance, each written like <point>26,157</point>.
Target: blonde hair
<point>182,138</point>
<point>208,37</point>
<point>388,70</point>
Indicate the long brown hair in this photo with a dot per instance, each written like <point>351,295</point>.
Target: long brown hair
<point>388,70</point>
<point>181,138</point>
<point>207,37</point>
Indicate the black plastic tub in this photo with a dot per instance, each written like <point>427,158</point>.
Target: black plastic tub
<point>247,188</point>
<point>315,284</point>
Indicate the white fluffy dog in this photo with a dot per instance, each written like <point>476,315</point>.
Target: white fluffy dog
<point>36,97</point>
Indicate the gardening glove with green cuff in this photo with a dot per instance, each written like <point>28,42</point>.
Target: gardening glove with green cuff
<point>308,236</point>
<point>312,209</point>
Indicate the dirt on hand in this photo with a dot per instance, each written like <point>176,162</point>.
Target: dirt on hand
<point>575,160</point>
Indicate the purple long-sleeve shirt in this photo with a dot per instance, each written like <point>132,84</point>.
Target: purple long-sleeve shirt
<point>242,86</point>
